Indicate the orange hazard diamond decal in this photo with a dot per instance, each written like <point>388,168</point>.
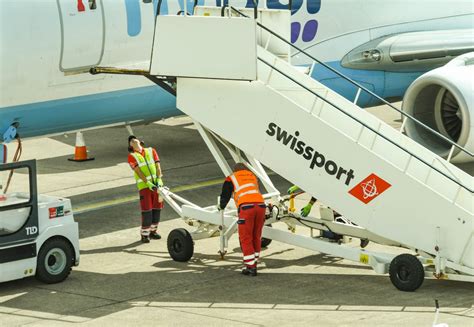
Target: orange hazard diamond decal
<point>370,188</point>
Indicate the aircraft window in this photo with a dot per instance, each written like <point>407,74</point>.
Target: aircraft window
<point>18,192</point>
<point>92,4</point>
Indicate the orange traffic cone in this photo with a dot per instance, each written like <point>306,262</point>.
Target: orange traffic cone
<point>80,153</point>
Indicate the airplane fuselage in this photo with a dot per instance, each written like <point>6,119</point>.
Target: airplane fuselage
<point>49,45</point>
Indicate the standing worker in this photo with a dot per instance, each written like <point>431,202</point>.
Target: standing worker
<point>145,164</point>
<point>251,208</point>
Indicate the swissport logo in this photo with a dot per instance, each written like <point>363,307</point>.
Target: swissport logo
<point>314,157</point>
<point>370,188</point>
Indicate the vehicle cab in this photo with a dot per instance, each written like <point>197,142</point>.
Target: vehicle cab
<point>38,234</point>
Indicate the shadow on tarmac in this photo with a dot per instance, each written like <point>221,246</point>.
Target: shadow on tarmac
<point>204,280</point>
<point>201,281</point>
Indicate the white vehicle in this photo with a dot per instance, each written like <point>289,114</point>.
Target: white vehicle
<point>38,234</point>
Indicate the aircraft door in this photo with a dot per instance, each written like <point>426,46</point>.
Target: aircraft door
<point>130,45</point>
<point>82,33</point>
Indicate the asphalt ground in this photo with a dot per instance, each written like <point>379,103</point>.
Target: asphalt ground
<point>122,282</point>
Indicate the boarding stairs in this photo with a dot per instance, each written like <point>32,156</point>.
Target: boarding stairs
<point>235,79</point>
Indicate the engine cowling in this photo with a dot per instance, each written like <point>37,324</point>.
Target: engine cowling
<point>443,99</point>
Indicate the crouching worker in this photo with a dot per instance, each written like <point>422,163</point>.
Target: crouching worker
<point>305,211</point>
<point>243,184</point>
<point>145,164</point>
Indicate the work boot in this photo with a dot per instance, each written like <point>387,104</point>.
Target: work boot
<point>155,236</point>
<point>145,239</point>
<point>249,271</point>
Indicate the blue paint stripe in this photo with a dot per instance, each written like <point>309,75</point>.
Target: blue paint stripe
<point>163,9</point>
<point>384,84</point>
<point>190,4</point>
<point>134,19</point>
<point>153,103</point>
<point>313,6</point>
<point>146,103</point>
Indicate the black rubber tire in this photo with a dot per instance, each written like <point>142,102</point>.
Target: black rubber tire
<point>406,272</point>
<point>180,245</point>
<point>364,242</point>
<point>44,270</point>
<point>266,242</point>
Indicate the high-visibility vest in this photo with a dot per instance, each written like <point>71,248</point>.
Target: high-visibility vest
<point>245,188</point>
<point>147,166</point>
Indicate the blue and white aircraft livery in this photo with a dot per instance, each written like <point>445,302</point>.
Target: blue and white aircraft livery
<point>48,46</point>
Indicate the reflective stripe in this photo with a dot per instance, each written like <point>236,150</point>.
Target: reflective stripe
<point>257,254</point>
<point>234,180</point>
<point>237,186</point>
<point>245,193</point>
<point>245,186</point>
<point>148,178</point>
<point>250,263</point>
<point>249,257</point>
<point>136,158</point>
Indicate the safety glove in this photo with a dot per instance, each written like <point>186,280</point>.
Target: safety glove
<point>306,210</point>
<point>293,189</point>
<point>159,182</point>
<point>151,186</point>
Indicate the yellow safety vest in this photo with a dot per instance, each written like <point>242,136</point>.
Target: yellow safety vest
<point>147,166</point>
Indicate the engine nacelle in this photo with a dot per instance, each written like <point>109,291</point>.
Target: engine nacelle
<point>443,99</point>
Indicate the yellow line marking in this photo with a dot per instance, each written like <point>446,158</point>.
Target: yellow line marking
<point>127,199</point>
<point>364,258</point>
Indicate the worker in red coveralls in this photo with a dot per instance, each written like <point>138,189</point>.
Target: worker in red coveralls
<point>243,184</point>
<point>145,164</point>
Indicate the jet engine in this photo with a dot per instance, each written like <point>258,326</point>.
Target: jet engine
<point>443,99</point>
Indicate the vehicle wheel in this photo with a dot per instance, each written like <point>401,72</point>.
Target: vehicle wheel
<point>54,261</point>
<point>266,242</point>
<point>180,245</point>
<point>364,242</point>
<point>406,272</point>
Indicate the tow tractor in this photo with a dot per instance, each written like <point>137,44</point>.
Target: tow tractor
<point>38,234</point>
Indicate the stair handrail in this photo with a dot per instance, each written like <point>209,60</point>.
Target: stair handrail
<point>406,115</point>
<point>367,126</point>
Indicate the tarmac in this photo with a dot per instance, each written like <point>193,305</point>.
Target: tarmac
<point>122,282</point>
